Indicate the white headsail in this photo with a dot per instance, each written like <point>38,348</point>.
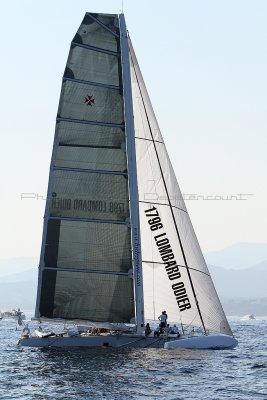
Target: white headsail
<point>175,274</point>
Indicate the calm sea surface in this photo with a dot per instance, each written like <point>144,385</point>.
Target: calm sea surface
<point>108,373</point>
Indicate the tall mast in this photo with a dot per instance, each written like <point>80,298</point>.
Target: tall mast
<point>132,176</point>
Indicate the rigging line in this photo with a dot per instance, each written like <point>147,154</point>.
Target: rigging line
<point>149,140</point>
<point>155,341</point>
<point>162,204</point>
<point>53,341</point>
<point>133,341</point>
<point>182,266</point>
<point>103,25</point>
<point>181,322</point>
<point>164,182</point>
<point>190,323</point>
<point>154,311</point>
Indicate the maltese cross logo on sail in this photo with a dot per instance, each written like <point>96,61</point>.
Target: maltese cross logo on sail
<point>89,100</point>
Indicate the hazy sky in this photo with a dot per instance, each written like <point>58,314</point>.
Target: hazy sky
<point>204,63</point>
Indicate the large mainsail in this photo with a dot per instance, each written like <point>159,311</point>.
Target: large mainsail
<point>86,268</point>
<point>175,275</point>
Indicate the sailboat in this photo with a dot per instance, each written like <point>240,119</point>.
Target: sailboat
<point>118,246</point>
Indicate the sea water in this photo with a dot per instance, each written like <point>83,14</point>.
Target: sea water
<point>106,373</point>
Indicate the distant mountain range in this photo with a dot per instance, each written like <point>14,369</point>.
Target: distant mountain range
<point>241,290</point>
<point>10,266</point>
<point>246,283</point>
<point>238,256</point>
<point>18,290</point>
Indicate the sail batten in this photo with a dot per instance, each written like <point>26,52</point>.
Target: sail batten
<point>102,221</point>
<point>92,83</point>
<point>91,171</point>
<point>88,146</point>
<point>93,48</point>
<point>87,271</point>
<point>87,122</point>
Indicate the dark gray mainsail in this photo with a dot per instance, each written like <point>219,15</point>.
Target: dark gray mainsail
<point>86,267</point>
